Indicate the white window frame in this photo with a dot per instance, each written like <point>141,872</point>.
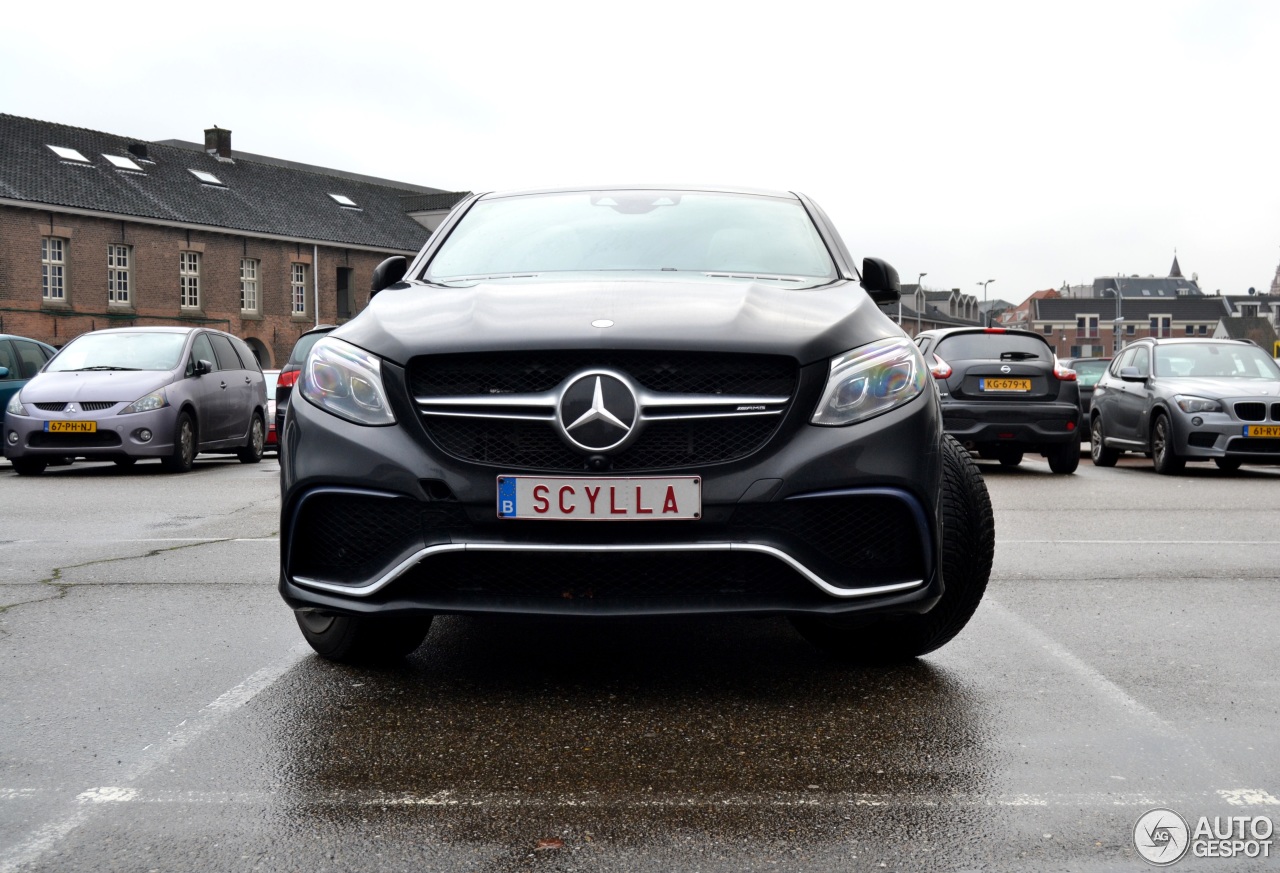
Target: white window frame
<point>1090,326</point>
<point>53,269</point>
<point>118,278</point>
<point>249,298</point>
<point>1163,325</point>
<point>189,280</point>
<point>298,288</point>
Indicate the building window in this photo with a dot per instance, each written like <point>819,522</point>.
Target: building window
<point>1130,329</point>
<point>1161,325</point>
<point>346,297</point>
<point>1048,329</point>
<point>1086,327</point>
<point>118,275</point>
<point>1191,329</point>
<point>189,276</point>
<point>248,285</point>
<point>53,269</point>
<point>1204,329</point>
<point>298,288</point>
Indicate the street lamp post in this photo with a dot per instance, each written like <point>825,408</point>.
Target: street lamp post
<point>986,314</point>
<point>915,302</point>
<point>1118,324</point>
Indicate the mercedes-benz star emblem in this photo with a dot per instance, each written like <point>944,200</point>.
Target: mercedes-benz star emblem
<point>598,411</point>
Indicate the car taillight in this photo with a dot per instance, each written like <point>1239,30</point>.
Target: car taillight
<point>1063,374</point>
<point>288,378</point>
<point>940,368</point>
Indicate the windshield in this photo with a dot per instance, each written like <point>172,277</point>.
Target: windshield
<point>1215,361</point>
<point>1089,372</point>
<point>648,231</point>
<point>120,351</point>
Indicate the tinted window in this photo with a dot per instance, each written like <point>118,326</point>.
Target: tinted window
<point>248,360</point>
<point>992,346</point>
<point>227,358</point>
<point>9,361</point>
<point>303,347</point>
<point>30,357</point>
<point>1089,372</point>
<point>1215,361</point>
<point>201,350</point>
<point>1142,360</point>
<point>645,231</point>
<point>120,351</point>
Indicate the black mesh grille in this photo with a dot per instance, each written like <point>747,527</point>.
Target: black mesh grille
<point>530,372</point>
<point>1254,446</point>
<point>90,406</point>
<point>1251,411</point>
<point>1275,412</point>
<point>97,440</point>
<point>535,445</point>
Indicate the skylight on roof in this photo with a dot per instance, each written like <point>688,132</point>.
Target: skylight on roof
<point>207,178</point>
<point>123,163</point>
<point>69,154</point>
<point>343,200</point>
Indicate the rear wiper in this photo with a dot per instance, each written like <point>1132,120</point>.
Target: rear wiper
<point>103,367</point>
<point>1018,356</point>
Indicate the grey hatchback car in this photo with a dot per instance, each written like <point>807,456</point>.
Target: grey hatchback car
<point>1188,400</point>
<point>146,392</point>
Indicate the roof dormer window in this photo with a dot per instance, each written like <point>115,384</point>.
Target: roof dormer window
<point>122,163</point>
<point>69,154</point>
<point>344,201</point>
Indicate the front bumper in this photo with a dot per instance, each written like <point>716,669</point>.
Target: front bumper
<point>822,520</point>
<point>115,435</point>
<point>1220,435</point>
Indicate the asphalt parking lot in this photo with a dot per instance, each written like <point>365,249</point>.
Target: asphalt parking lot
<point>161,713</point>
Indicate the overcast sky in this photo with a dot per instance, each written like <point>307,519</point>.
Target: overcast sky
<point>1029,143</point>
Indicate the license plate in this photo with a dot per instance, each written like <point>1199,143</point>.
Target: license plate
<point>1271,431</point>
<point>70,427</point>
<point>1004,384</point>
<point>609,499</point>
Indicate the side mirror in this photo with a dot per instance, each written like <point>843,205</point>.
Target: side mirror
<point>203,367</point>
<point>388,273</point>
<point>4,372</point>
<point>880,281</point>
<point>1132,374</point>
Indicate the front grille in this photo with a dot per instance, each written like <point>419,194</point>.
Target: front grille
<point>1252,446</point>
<point>850,541</point>
<point>533,372</point>
<point>1275,412</point>
<point>90,406</point>
<point>1251,411</point>
<point>534,444</point>
<point>97,440</point>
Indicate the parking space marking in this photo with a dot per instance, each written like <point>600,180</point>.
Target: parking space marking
<point>153,756</point>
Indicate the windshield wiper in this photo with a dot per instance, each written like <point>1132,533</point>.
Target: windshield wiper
<point>1018,356</point>
<point>102,367</point>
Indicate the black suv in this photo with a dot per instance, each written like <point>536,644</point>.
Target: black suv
<point>1004,393</point>
<point>628,401</point>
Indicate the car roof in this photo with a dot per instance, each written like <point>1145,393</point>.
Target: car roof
<point>708,189</point>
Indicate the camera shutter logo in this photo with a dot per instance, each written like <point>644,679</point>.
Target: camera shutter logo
<point>1161,837</point>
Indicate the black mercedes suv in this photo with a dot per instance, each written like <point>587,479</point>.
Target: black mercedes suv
<point>628,401</point>
<point>1005,393</point>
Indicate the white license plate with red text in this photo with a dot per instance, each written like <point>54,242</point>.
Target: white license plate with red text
<point>609,499</point>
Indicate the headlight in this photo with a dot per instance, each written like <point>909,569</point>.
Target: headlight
<point>154,400</point>
<point>346,381</point>
<point>15,406</point>
<point>1187,403</point>
<point>871,380</point>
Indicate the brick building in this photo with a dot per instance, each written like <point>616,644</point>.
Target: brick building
<point>99,230</point>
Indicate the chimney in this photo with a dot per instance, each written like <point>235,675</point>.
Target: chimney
<point>218,142</point>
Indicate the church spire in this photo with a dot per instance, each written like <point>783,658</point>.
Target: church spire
<point>1175,272</point>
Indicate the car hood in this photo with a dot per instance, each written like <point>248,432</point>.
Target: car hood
<point>118,386</point>
<point>1205,386</point>
<point>808,324</point>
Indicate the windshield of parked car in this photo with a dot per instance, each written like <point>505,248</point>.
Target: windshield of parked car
<point>1089,372</point>
<point>752,236</point>
<point>120,351</point>
<point>1215,361</point>
<point>993,347</point>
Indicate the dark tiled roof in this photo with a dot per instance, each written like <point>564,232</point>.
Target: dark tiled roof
<point>1264,302</point>
<point>432,202</point>
<point>1147,286</point>
<point>1202,309</point>
<point>1255,328</point>
<point>268,198</point>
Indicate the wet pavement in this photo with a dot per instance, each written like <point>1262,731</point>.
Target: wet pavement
<point>160,713</point>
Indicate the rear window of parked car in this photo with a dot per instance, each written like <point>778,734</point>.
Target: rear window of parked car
<point>991,346</point>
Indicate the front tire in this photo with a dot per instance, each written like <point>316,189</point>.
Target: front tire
<point>184,445</point>
<point>1164,457</point>
<point>251,452</point>
<point>28,466</point>
<point>1065,458</point>
<point>1010,458</point>
<point>362,639</point>
<point>1227,465</point>
<point>1098,451</point>
<point>968,546</point>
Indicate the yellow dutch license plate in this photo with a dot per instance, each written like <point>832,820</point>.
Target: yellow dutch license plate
<point>1265,431</point>
<point>70,427</point>
<point>1004,384</point>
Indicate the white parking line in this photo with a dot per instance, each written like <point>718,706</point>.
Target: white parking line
<point>154,755</point>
